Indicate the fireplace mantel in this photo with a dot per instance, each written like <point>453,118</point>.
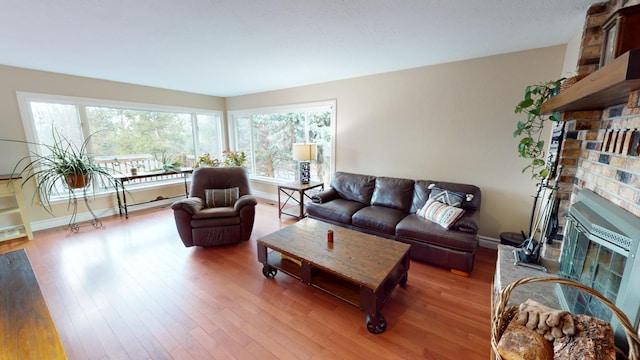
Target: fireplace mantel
<point>605,87</point>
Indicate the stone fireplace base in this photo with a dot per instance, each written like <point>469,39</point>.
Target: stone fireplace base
<point>507,272</point>
<point>550,256</point>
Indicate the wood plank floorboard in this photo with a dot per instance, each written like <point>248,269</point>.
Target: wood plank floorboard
<point>132,291</point>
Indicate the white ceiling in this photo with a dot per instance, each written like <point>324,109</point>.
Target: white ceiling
<point>235,47</point>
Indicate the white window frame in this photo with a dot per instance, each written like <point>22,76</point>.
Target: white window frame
<point>232,114</point>
<point>25,98</point>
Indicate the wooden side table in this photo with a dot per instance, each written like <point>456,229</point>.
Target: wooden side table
<point>291,189</point>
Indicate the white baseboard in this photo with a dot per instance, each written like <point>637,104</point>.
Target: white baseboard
<point>487,242</point>
<point>265,195</point>
<point>102,213</point>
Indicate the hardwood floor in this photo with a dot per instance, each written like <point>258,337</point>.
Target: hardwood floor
<point>133,291</point>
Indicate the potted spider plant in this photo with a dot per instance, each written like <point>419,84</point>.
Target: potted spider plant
<point>60,163</point>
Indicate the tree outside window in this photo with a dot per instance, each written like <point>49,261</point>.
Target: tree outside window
<point>268,135</point>
<point>125,135</point>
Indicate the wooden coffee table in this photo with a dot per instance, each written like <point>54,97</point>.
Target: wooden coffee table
<point>358,268</point>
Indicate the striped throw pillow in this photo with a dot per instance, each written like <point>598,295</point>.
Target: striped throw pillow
<point>440,213</point>
<point>221,197</point>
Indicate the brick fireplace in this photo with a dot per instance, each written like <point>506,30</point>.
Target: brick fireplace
<point>598,150</point>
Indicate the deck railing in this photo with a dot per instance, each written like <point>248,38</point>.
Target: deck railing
<point>144,163</point>
<point>122,165</point>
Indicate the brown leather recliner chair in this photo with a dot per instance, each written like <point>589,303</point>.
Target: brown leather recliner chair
<point>222,222</point>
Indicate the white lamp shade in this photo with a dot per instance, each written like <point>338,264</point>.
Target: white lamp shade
<point>305,152</point>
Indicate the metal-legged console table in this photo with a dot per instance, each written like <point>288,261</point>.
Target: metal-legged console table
<point>121,179</point>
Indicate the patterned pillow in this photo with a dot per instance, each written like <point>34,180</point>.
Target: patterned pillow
<point>221,197</point>
<point>440,213</point>
<point>448,197</point>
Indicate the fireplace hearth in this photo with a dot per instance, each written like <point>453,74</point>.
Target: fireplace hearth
<point>600,250</point>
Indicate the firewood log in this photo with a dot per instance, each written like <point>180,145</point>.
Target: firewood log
<point>518,342</point>
<point>593,341</point>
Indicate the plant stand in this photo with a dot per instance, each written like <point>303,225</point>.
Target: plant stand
<point>74,227</point>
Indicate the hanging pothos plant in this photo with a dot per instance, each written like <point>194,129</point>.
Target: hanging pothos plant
<point>531,145</point>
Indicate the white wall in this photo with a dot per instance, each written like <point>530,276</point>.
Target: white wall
<point>450,122</point>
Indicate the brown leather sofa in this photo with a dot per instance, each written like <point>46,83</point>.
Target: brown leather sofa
<point>202,225</point>
<point>387,207</point>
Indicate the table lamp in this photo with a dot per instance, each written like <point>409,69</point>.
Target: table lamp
<point>303,152</point>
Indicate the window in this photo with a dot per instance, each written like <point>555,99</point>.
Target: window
<point>124,135</point>
<point>267,136</point>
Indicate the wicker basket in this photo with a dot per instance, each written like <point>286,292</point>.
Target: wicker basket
<point>503,314</point>
<point>567,83</point>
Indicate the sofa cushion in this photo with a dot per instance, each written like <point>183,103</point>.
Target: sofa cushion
<point>213,217</point>
<point>216,212</point>
<point>225,177</point>
<point>414,228</point>
<point>393,193</point>
<point>338,210</point>
<point>354,186</point>
<point>378,218</point>
<point>421,194</point>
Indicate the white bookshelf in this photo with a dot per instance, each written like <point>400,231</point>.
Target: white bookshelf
<point>10,188</point>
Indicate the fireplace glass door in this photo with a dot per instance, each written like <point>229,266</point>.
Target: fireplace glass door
<point>593,264</point>
<point>600,250</point>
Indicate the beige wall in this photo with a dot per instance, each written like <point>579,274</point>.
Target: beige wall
<point>450,122</point>
<point>14,79</point>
